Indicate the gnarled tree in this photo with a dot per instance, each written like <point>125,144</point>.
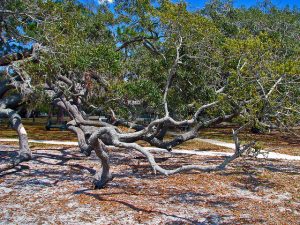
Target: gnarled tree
<point>15,83</point>
<point>176,62</point>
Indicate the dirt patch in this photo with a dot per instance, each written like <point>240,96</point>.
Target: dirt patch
<point>202,146</point>
<point>55,187</point>
<point>274,141</point>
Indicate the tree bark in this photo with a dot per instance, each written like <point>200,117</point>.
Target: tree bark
<point>82,143</point>
<point>103,176</point>
<point>24,150</point>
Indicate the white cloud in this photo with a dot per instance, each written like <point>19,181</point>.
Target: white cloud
<point>105,1</point>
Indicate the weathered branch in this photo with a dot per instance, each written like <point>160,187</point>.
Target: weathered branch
<point>82,143</point>
<point>171,75</point>
<point>134,40</point>
<point>274,86</point>
<point>24,150</point>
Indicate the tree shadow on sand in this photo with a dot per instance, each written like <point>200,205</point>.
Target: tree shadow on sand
<point>51,166</point>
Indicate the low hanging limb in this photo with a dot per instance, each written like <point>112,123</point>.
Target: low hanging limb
<point>238,152</point>
<point>104,175</point>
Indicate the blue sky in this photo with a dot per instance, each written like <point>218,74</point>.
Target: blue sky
<point>198,4</point>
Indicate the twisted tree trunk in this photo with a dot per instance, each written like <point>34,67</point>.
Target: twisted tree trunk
<point>103,176</point>
<point>24,150</point>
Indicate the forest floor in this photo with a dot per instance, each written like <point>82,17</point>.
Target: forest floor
<point>56,188</point>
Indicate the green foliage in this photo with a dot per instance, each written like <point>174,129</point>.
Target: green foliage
<point>77,40</point>
<point>144,90</point>
<point>245,50</point>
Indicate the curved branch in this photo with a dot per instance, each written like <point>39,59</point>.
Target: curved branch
<point>82,143</point>
<point>158,168</point>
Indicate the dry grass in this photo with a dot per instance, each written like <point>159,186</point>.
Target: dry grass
<point>56,188</point>
<point>37,131</point>
<point>202,146</point>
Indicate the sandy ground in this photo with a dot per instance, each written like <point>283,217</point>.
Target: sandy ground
<point>227,151</point>
<point>55,188</point>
